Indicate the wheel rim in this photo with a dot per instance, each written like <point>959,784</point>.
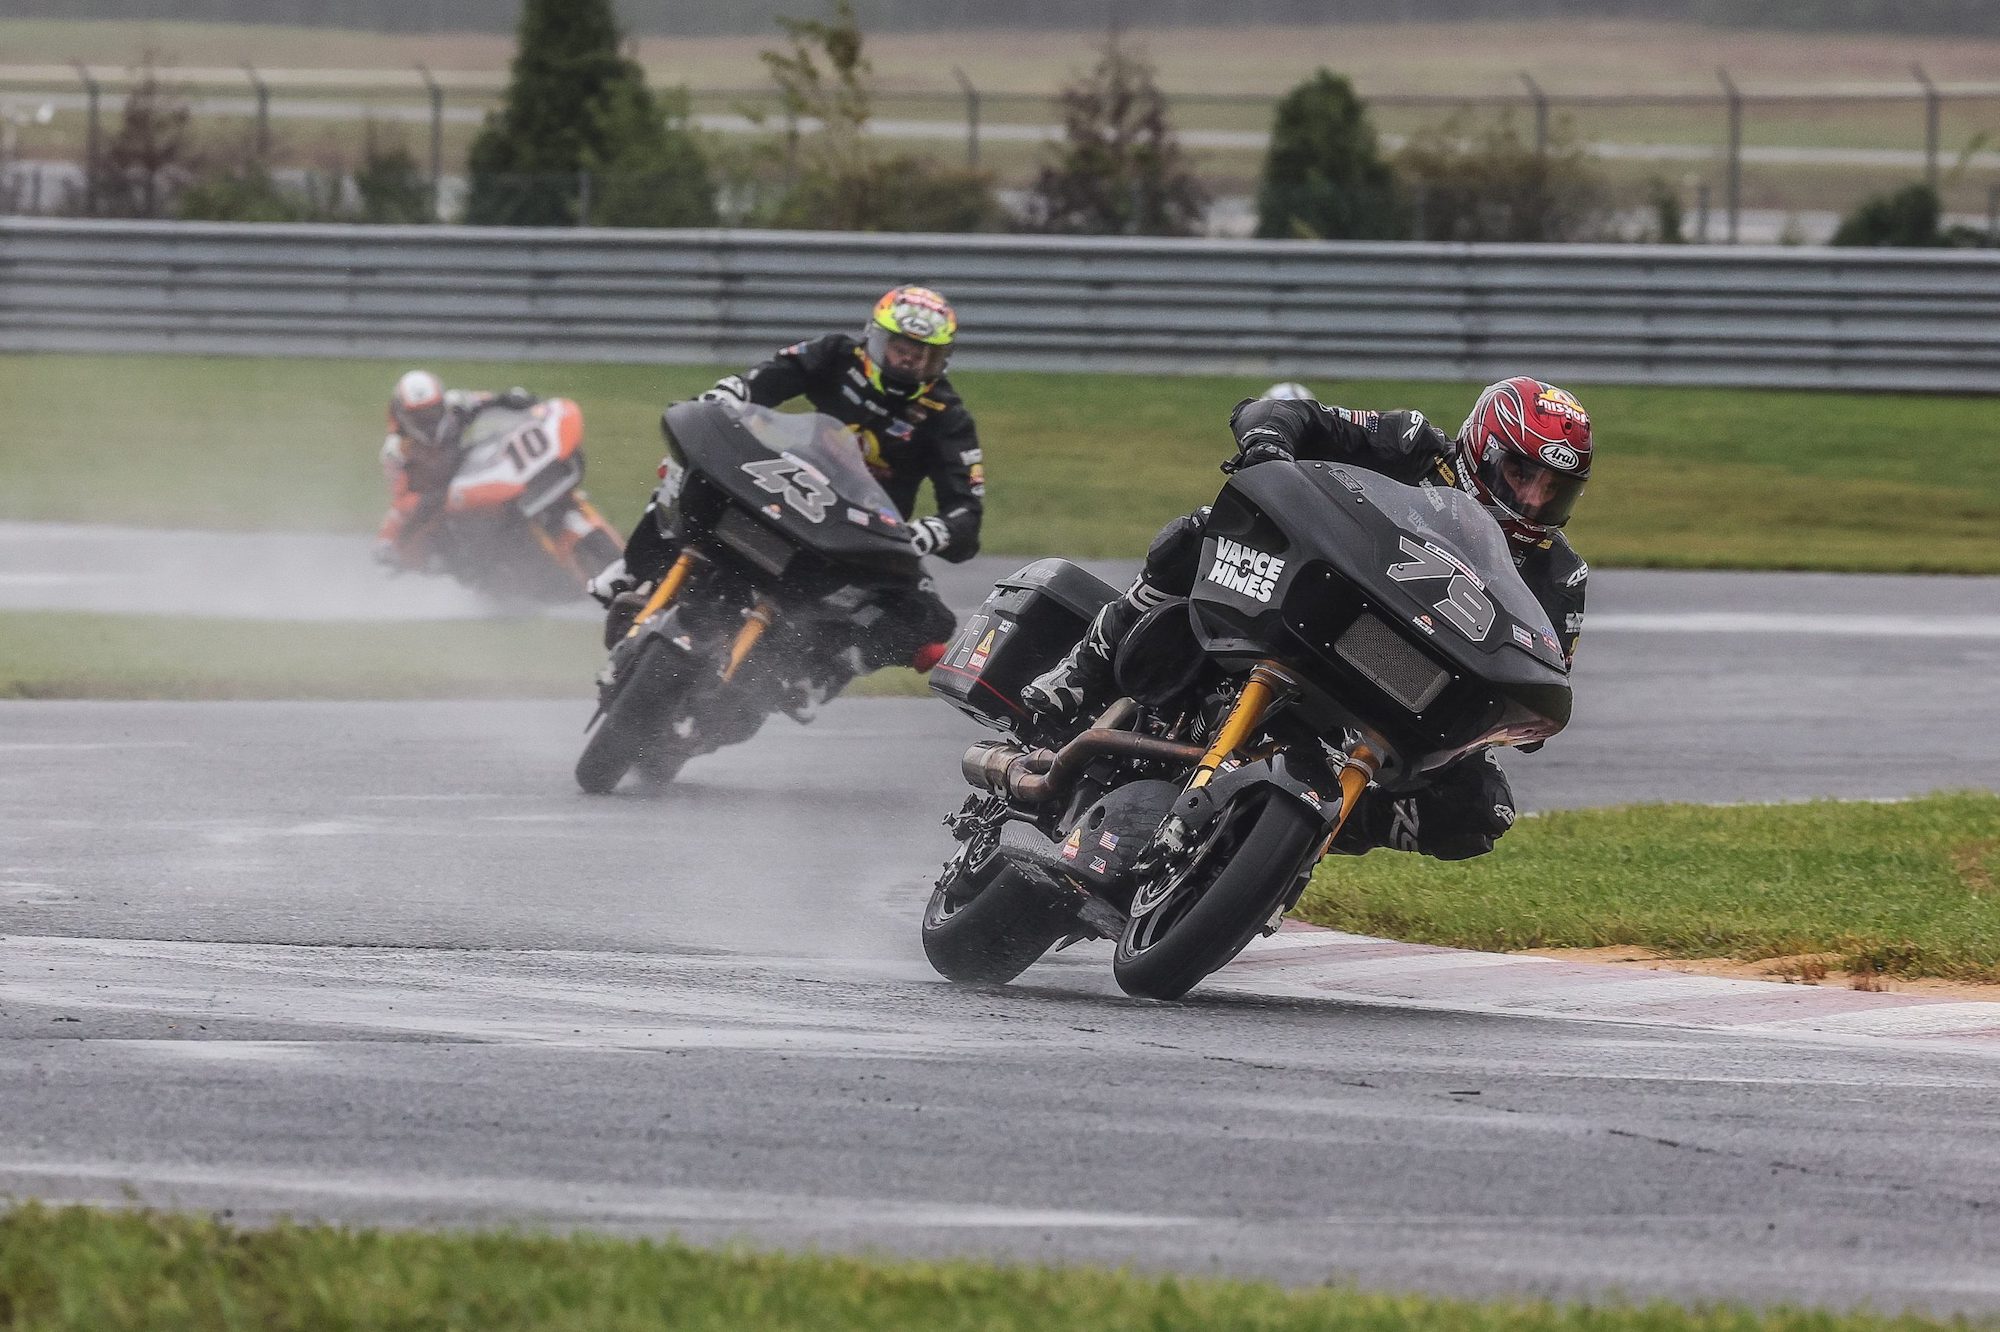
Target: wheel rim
<point>1182,891</point>
<point>973,865</point>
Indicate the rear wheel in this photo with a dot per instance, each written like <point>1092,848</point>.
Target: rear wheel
<point>1199,916</point>
<point>987,924</point>
<point>634,727</point>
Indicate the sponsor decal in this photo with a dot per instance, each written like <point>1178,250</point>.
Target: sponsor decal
<point>982,652</point>
<point>796,349</point>
<point>889,517</point>
<point>1099,865</point>
<point>859,517</point>
<point>899,430</point>
<point>1559,402</point>
<point>774,511</point>
<point>1549,642</point>
<point>1073,845</point>
<point>970,456</point>
<point>1425,623</point>
<point>1573,622</point>
<point>1416,425</point>
<point>1523,637</point>
<point>1354,487</point>
<point>1576,579</point>
<point>978,478</point>
<point>1108,840</point>
<point>1560,456</point>
<point>1244,570</point>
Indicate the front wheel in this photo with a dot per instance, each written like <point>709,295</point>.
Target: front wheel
<point>634,726</point>
<point>988,924</point>
<point>1199,916</point>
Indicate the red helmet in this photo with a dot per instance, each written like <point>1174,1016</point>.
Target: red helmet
<point>416,407</point>
<point>1525,452</point>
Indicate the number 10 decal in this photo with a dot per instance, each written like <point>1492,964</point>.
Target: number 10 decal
<point>803,488</point>
<point>1465,604</point>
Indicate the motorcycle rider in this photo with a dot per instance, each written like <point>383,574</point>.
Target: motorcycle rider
<point>420,456</point>
<point>1524,452</point>
<point>888,386</point>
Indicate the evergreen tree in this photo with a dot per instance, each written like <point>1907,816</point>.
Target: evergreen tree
<point>1324,177</point>
<point>574,103</point>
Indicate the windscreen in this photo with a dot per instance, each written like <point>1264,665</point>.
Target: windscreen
<point>491,426</point>
<point>825,445</point>
<point>1459,523</point>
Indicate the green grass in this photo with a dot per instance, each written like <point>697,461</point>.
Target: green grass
<point>56,654</point>
<point>1086,465</point>
<point>1909,889</point>
<point>76,1268</point>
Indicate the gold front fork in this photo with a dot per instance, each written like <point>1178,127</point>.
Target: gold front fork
<point>668,589</point>
<point>755,622</point>
<point>1242,721</point>
<point>1354,778</point>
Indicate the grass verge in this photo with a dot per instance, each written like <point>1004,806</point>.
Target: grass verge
<point>1909,889</point>
<point>1087,465</point>
<point>77,1268</point>
<point>59,654</point>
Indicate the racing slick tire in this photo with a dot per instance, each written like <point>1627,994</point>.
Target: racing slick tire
<point>634,726</point>
<point>987,926</point>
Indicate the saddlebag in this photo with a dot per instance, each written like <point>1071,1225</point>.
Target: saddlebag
<point>1030,619</point>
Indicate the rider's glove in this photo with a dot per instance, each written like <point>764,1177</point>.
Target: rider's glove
<point>1258,446</point>
<point>609,582</point>
<point>929,535</point>
<point>516,397</point>
<point>730,391</point>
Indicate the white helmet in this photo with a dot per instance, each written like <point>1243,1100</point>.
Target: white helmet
<point>416,408</point>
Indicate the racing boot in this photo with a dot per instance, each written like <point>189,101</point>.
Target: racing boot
<point>1081,684</point>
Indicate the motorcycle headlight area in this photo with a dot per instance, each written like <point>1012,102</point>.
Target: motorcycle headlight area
<point>754,541</point>
<point>1393,664</point>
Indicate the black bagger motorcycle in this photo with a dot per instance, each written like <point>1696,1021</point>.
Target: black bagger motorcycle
<point>786,542</point>
<point>1347,630</point>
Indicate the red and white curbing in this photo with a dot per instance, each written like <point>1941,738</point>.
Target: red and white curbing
<point>1306,961</point>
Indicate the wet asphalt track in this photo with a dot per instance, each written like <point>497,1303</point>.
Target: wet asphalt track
<point>380,962</point>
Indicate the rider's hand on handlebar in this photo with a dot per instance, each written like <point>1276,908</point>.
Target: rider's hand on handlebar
<point>929,535</point>
<point>1257,451</point>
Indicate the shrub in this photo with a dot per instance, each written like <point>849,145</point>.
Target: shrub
<point>1487,184</point>
<point>1324,177</point>
<point>1120,169</point>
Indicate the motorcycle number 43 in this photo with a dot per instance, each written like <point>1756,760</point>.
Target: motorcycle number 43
<point>1465,603</point>
<point>801,485</point>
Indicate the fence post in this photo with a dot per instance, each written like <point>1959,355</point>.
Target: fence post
<point>583,198</point>
<point>1541,100</point>
<point>436,92</point>
<point>263,91</point>
<point>1733,188</point>
<point>1701,211</point>
<point>1993,214</point>
<point>971,118</point>
<point>92,140</point>
<point>1932,107</point>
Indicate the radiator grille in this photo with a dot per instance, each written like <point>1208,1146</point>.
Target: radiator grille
<point>1385,657</point>
<point>754,541</point>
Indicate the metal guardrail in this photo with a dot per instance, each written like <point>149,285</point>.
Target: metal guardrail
<point>1848,319</point>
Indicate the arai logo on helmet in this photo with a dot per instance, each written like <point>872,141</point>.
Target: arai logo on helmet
<point>915,320</point>
<point>1560,456</point>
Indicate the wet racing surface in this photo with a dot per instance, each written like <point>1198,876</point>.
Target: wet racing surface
<point>382,962</point>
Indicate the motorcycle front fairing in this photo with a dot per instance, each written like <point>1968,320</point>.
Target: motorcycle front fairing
<point>1397,607</point>
<point>763,483</point>
<point>529,457</point>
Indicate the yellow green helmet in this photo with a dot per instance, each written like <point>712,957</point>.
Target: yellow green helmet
<point>909,340</point>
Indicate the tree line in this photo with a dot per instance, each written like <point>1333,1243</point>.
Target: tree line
<point>713,17</point>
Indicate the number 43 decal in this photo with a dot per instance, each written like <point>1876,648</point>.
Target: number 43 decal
<point>1468,608</point>
<point>801,485</point>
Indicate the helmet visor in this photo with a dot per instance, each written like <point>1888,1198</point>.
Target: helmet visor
<point>418,423</point>
<point>1529,490</point>
<point>904,360</point>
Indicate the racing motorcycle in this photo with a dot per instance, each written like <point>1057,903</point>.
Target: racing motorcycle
<point>516,524</point>
<point>786,542</point>
<point>1347,630</point>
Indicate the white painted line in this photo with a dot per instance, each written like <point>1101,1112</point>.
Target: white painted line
<point>1919,1019</point>
<point>1760,622</point>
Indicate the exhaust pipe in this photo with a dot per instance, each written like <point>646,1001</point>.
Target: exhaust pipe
<point>1034,776</point>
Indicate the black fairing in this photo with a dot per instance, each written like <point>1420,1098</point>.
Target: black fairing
<point>1449,652</point>
<point>830,510</point>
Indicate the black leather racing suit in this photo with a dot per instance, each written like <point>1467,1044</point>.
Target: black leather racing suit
<point>905,440</point>
<point>1467,805</point>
